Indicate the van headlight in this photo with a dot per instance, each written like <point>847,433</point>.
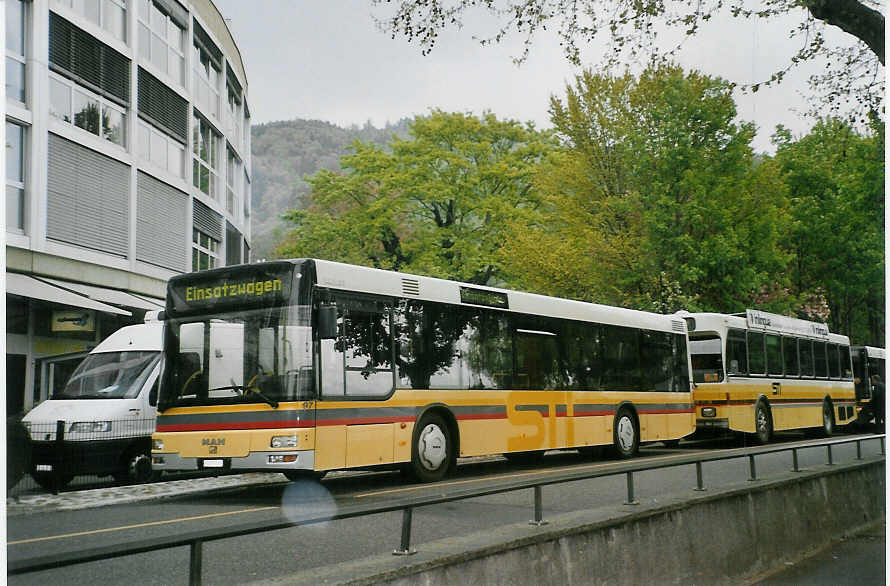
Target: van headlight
<point>284,441</point>
<point>90,427</point>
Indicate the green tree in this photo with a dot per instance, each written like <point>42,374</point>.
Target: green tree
<point>434,204</point>
<point>656,196</point>
<point>632,27</point>
<point>835,178</point>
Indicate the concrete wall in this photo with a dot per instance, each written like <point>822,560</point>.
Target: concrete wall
<point>715,537</point>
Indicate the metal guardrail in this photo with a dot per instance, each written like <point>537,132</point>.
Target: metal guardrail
<point>195,539</point>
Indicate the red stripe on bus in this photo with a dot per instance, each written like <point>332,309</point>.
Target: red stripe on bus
<point>233,425</point>
<point>478,416</point>
<point>364,420</point>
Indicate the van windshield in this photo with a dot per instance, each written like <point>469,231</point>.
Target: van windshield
<point>110,375</point>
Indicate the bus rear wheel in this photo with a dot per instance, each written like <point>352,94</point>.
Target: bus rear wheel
<point>625,434</point>
<point>432,450</point>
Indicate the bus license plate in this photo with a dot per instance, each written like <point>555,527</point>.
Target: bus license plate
<point>218,463</point>
<point>44,468</point>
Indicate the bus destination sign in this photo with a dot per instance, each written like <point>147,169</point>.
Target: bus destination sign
<point>228,287</point>
<point>483,297</point>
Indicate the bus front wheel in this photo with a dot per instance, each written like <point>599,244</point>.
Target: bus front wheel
<point>625,434</point>
<point>432,449</point>
<point>827,418</point>
<point>763,424</point>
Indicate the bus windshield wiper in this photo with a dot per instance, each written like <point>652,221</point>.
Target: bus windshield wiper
<point>249,389</point>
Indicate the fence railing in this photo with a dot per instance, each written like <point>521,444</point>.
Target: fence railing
<point>196,539</point>
<point>51,454</point>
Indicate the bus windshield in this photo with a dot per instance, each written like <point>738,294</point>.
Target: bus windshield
<point>707,359</point>
<point>249,356</point>
<point>110,375</point>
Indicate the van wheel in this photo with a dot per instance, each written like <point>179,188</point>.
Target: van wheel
<point>45,480</point>
<point>138,469</point>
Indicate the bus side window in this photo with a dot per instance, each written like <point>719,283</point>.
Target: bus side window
<point>737,352</point>
<point>756,356</point>
<point>789,352</point>
<point>806,358</point>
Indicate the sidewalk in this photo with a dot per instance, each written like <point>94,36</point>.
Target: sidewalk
<point>858,559</point>
<point>116,495</point>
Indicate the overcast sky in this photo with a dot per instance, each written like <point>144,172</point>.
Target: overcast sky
<point>326,60</point>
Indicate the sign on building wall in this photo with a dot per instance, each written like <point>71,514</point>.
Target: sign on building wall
<point>74,321</point>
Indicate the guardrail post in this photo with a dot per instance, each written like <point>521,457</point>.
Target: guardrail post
<point>59,456</point>
<point>630,490</point>
<point>753,468</point>
<point>539,512</point>
<point>195,552</point>
<point>858,449</point>
<point>406,533</point>
<point>796,468</point>
<point>828,453</point>
<point>699,478</point>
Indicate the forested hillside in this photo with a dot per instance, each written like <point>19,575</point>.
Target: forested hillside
<point>283,154</point>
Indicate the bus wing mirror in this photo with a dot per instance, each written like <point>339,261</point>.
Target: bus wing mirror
<point>327,322</point>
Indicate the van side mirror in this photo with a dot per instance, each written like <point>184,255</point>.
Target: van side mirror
<point>327,322</point>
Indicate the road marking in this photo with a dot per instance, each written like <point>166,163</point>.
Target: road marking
<point>140,525</point>
<point>438,485</point>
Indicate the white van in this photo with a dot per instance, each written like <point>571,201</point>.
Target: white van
<point>107,413</point>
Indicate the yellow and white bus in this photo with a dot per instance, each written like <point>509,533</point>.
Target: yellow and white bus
<point>308,366</point>
<point>759,372</point>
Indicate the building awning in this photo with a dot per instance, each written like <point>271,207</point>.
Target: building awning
<point>113,296</point>
<point>25,286</point>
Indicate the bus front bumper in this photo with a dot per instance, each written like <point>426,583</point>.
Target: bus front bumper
<point>276,461</point>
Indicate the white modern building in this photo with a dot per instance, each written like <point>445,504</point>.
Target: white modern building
<point>127,162</point>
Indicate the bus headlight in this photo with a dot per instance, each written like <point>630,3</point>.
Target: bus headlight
<point>284,441</point>
<point>708,412</point>
<point>90,426</point>
<point>157,445</point>
<point>282,459</point>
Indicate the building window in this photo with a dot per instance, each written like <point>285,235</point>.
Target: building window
<point>15,177</point>
<point>246,198</point>
<point>205,162</point>
<point>76,105</point>
<point>206,81</point>
<point>110,15</point>
<point>15,50</point>
<point>160,150</point>
<point>233,174</point>
<point>205,251</point>
<point>234,113</point>
<point>161,41</point>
